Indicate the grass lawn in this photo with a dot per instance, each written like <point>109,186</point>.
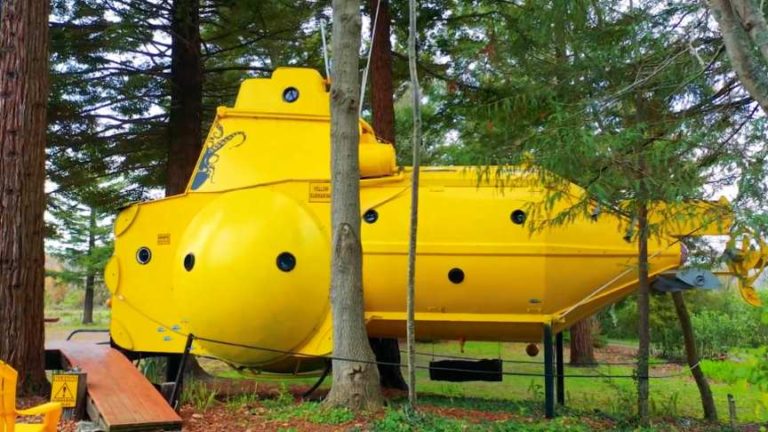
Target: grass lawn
<point>675,395</point>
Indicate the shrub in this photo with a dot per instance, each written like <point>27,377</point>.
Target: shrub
<point>721,322</point>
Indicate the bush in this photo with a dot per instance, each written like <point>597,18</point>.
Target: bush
<point>721,322</point>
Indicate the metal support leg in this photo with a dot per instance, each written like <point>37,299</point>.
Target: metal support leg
<point>549,374</point>
<point>173,363</point>
<point>560,369</point>
<point>174,400</point>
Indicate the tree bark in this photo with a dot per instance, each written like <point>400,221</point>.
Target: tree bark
<point>386,350</point>
<point>23,100</point>
<point>382,88</point>
<point>582,347</point>
<point>414,216</point>
<point>643,308</point>
<point>737,29</point>
<point>355,377</point>
<point>185,137</point>
<point>707,401</point>
<point>90,277</point>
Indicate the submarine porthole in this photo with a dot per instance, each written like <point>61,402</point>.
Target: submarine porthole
<point>286,261</point>
<point>143,255</point>
<point>456,275</point>
<point>518,217</point>
<point>189,261</point>
<point>291,94</point>
<point>371,216</point>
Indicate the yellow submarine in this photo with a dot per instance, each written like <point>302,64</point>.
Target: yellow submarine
<point>242,258</point>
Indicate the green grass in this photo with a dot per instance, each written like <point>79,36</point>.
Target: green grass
<point>197,394</point>
<point>313,412</point>
<point>676,396</point>
<point>70,319</point>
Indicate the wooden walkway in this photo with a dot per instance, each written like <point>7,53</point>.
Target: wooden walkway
<point>119,396</point>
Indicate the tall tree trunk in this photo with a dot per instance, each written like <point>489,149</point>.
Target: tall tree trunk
<point>185,116</point>
<point>355,377</point>
<point>90,278</point>
<point>23,99</point>
<point>386,350</point>
<point>643,308</point>
<point>414,214</point>
<point>185,138</point>
<point>382,88</point>
<point>582,347</point>
<point>707,401</point>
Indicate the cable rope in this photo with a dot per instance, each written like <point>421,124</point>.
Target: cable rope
<point>368,61</point>
<point>375,362</point>
<point>511,361</point>
<point>631,268</point>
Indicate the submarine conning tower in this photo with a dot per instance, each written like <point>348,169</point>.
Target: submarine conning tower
<point>293,110</point>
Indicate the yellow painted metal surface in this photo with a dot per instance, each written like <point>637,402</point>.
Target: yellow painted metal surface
<point>209,261</point>
<point>748,262</point>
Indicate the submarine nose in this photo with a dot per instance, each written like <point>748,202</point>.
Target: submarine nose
<point>252,270</point>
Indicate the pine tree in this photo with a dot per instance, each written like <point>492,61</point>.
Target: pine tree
<point>112,105</point>
<point>633,104</point>
<point>83,244</point>
<point>24,84</point>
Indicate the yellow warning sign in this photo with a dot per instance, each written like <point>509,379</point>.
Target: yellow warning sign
<point>319,192</point>
<point>164,239</point>
<point>64,389</point>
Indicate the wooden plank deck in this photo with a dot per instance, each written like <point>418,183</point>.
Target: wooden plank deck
<point>120,395</point>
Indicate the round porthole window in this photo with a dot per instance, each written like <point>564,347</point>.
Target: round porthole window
<point>189,262</point>
<point>371,216</point>
<point>143,255</point>
<point>286,261</point>
<point>456,275</point>
<point>518,217</point>
<point>291,94</point>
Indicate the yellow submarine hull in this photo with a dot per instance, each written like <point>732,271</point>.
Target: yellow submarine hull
<point>242,259</point>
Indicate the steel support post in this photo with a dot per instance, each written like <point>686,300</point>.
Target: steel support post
<point>560,369</point>
<point>549,373</point>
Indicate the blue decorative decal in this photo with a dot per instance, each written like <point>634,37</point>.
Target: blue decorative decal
<point>216,142</point>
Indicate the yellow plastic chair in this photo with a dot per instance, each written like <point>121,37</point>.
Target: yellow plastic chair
<point>51,411</point>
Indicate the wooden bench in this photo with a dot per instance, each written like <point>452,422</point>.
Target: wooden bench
<point>118,395</point>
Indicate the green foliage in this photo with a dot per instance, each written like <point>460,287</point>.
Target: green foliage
<point>70,312</point>
<point>312,412</point>
<point>154,369</point>
<point>198,394</point>
<point>401,420</point>
<point>721,323</point>
<point>80,238</point>
<point>666,407</point>
<point>111,78</point>
<point>283,399</point>
<point>243,400</point>
<point>732,372</point>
